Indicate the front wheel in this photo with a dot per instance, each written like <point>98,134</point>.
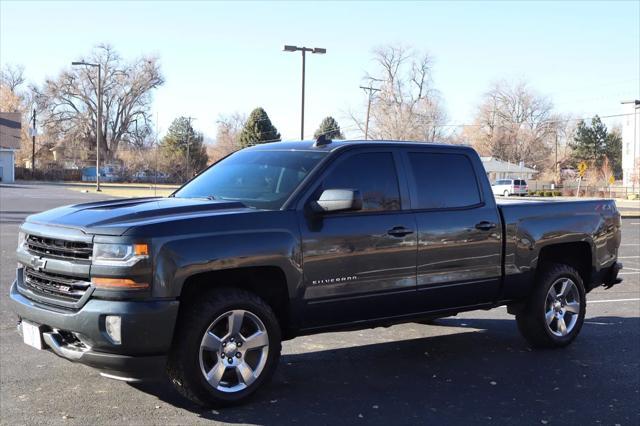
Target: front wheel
<point>554,313</point>
<point>506,193</point>
<point>227,345</point>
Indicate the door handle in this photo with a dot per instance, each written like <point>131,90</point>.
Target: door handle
<point>399,231</point>
<point>485,226</point>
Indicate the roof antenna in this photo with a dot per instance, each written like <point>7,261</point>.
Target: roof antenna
<point>322,140</point>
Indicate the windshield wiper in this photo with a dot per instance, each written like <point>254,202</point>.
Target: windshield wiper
<point>210,197</point>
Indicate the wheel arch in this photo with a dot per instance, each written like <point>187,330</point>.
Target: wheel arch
<point>267,282</point>
<point>576,254</point>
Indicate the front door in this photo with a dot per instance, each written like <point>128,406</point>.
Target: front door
<point>360,265</point>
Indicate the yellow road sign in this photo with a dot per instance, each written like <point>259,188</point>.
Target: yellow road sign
<point>582,168</point>
<point>611,180</point>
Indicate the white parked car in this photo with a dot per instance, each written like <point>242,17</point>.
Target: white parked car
<point>507,187</point>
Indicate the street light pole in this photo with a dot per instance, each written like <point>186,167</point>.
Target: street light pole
<point>33,145</point>
<point>98,117</point>
<point>304,50</point>
<point>304,55</point>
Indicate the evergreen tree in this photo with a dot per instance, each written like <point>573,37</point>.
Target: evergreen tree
<point>183,149</point>
<point>590,142</point>
<point>329,128</point>
<point>258,129</point>
<point>613,148</point>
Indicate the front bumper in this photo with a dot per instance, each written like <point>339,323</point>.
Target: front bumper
<point>80,336</point>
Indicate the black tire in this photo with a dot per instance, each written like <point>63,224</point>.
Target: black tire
<point>532,319</point>
<point>194,320</point>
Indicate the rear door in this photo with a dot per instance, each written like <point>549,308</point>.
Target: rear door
<point>459,246</point>
<point>360,265</point>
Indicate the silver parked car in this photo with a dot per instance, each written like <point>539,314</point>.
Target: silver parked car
<point>507,187</point>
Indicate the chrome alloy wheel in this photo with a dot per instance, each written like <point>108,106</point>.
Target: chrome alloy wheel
<point>234,351</point>
<point>562,307</point>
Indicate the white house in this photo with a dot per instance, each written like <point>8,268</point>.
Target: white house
<point>10,126</point>
<point>498,169</point>
<point>631,146</point>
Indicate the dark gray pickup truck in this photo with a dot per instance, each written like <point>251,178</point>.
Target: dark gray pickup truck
<point>293,238</point>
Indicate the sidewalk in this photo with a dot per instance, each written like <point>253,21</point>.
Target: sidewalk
<point>111,188</point>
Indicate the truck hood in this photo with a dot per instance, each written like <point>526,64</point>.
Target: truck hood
<point>114,217</point>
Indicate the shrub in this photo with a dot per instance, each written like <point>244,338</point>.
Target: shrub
<point>557,193</point>
<point>548,194</point>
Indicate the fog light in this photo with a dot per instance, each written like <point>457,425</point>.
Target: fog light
<point>112,324</point>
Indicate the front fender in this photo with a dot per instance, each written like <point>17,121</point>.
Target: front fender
<point>181,258</point>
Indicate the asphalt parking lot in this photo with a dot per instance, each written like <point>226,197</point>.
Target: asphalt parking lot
<point>473,368</point>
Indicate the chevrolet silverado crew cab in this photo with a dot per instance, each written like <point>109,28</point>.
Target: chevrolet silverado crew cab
<point>295,238</point>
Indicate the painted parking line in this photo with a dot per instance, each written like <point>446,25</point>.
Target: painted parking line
<point>628,273</point>
<point>628,257</point>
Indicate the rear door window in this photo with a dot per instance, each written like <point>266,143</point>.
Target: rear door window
<point>443,180</point>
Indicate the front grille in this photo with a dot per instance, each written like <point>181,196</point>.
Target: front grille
<point>57,286</point>
<point>61,249</point>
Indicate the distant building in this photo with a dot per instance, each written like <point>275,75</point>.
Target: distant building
<point>631,146</point>
<point>498,169</point>
<point>10,129</point>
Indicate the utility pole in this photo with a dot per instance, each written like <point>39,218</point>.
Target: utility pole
<point>188,145</point>
<point>370,91</point>
<point>33,145</point>
<point>557,165</point>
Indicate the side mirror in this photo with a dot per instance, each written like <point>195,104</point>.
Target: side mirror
<point>335,200</point>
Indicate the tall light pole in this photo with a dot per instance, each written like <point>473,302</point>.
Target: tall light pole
<point>33,144</point>
<point>304,50</point>
<point>636,103</point>
<point>98,117</point>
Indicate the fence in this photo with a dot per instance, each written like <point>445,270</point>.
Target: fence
<point>571,188</point>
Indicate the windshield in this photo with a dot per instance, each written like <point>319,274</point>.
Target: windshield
<point>259,179</point>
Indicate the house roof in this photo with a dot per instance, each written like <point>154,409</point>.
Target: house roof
<point>493,165</point>
<point>10,127</point>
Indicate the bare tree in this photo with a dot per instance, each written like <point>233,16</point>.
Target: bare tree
<point>407,105</point>
<point>68,104</point>
<point>12,76</point>
<point>227,137</point>
<point>515,124</point>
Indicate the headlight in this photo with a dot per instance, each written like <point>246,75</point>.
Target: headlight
<point>119,254</point>
<point>22,239</point>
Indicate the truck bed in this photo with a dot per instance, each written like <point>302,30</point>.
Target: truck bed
<point>531,225</point>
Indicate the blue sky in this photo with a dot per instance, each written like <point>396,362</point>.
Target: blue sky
<point>220,57</point>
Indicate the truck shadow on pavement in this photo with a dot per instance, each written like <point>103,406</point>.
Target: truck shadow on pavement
<point>472,370</point>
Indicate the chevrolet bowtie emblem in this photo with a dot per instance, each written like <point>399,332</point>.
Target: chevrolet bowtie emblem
<point>38,263</point>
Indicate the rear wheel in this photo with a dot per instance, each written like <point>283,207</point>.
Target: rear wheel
<point>227,345</point>
<point>506,193</point>
<point>554,313</point>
